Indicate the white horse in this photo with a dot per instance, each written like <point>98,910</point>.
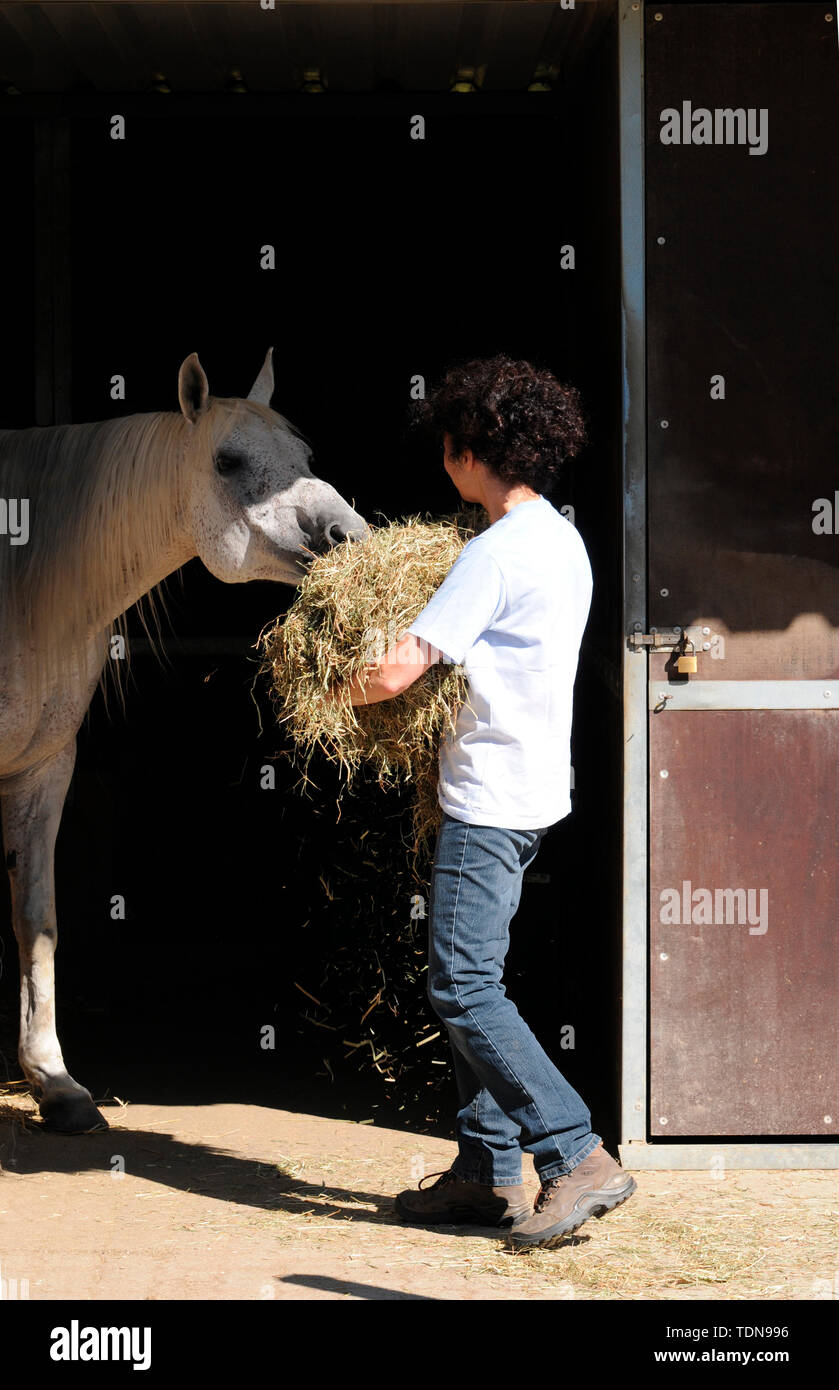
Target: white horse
<point>113,508</point>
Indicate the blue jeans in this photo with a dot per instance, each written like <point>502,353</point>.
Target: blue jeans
<point>512,1097</point>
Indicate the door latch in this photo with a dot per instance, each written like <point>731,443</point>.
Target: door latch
<point>675,640</point>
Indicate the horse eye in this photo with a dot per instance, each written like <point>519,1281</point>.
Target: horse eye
<point>228,463</point>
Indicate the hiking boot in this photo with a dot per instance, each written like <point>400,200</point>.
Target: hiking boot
<point>454,1201</point>
<point>594,1187</point>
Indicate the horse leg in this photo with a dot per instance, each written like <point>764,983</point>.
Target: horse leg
<point>32,803</point>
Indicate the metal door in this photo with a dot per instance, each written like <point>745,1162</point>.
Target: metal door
<point>740,234</point>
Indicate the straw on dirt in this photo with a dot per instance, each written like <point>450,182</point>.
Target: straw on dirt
<point>353,605</point>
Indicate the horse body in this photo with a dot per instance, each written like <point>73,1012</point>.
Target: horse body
<point>115,507</point>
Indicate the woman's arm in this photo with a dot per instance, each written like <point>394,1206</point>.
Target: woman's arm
<point>402,665</point>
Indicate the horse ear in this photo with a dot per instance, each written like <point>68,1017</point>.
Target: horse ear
<point>193,388</point>
<point>263,388</point>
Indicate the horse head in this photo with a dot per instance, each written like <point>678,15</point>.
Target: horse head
<point>255,509</point>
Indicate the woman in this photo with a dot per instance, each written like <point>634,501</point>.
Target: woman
<point>511,611</point>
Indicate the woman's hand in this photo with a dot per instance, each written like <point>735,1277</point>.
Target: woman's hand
<point>337,694</point>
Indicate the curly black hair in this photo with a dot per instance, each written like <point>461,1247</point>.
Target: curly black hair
<point>516,418</point>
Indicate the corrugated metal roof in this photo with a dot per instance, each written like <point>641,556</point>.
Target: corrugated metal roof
<point>342,46</point>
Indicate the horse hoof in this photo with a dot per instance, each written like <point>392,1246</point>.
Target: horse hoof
<point>72,1115</point>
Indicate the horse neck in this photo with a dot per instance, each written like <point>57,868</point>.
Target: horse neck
<point>108,519</point>
<point>153,537</point>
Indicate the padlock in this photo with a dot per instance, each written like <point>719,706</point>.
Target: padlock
<point>686,663</point>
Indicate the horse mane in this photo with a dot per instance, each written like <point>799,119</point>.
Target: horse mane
<point>103,498</point>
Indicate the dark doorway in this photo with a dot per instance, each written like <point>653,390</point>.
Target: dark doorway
<point>394,257</point>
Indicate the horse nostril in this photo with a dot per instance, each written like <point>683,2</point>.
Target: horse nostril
<point>323,537</point>
<point>336,534</point>
<point>332,535</point>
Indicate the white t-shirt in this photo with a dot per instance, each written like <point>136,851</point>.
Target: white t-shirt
<point>512,611</point>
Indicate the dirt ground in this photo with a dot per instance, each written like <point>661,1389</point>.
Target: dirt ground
<point>246,1202</point>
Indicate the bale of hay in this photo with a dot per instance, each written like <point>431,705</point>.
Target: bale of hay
<point>353,605</point>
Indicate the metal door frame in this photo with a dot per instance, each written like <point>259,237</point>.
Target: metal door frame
<point>639,695</point>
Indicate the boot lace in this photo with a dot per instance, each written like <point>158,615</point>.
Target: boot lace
<point>546,1192</point>
<point>442,1179</point>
